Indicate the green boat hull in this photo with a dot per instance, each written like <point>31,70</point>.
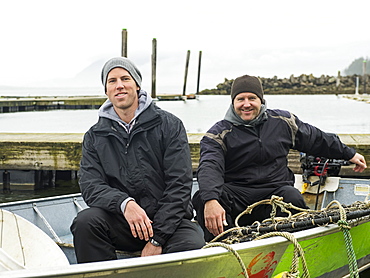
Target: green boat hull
<point>326,255</point>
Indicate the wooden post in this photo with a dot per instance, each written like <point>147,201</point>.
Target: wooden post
<point>154,68</point>
<point>124,43</point>
<point>6,182</point>
<point>38,179</point>
<point>199,63</point>
<point>186,72</point>
<point>364,75</point>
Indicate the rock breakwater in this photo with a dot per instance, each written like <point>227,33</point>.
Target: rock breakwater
<point>303,84</point>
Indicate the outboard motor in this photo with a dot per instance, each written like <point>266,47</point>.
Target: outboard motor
<point>321,167</point>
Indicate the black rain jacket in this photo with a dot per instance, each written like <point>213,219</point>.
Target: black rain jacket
<point>151,164</point>
<point>248,156</point>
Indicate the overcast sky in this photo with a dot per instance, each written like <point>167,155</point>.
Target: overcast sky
<point>44,39</point>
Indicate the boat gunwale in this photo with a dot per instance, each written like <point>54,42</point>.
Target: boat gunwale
<point>41,200</point>
<point>122,265</point>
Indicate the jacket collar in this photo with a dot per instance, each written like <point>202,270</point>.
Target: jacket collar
<point>235,119</point>
<point>145,119</point>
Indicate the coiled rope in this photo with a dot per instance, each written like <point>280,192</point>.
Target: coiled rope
<point>345,227</point>
<point>298,251</point>
<point>275,202</point>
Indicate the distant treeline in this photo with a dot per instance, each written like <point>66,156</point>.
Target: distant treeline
<point>303,84</point>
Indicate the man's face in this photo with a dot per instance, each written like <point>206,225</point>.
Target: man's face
<point>122,89</point>
<point>247,106</point>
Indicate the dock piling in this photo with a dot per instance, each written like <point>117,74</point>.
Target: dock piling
<point>186,72</point>
<point>6,182</point>
<point>124,43</point>
<point>154,68</point>
<point>199,64</point>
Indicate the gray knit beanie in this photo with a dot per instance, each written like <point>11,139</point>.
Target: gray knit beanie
<point>120,62</point>
<point>247,84</point>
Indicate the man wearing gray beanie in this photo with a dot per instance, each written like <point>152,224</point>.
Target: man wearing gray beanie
<point>243,159</point>
<point>124,63</point>
<point>136,175</point>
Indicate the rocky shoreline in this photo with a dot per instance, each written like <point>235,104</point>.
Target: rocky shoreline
<point>303,84</point>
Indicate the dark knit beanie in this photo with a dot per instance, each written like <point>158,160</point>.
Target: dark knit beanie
<point>247,84</point>
<point>120,62</point>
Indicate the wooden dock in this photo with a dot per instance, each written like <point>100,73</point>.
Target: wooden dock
<point>358,97</point>
<point>176,97</point>
<point>40,152</point>
<point>20,104</point>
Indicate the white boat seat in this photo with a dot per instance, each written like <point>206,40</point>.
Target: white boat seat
<point>331,184</point>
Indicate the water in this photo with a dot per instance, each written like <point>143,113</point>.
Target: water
<point>328,112</point>
<point>66,187</point>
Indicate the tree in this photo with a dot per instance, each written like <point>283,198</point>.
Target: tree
<point>356,67</point>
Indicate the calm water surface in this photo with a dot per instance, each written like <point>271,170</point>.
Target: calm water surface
<point>328,112</point>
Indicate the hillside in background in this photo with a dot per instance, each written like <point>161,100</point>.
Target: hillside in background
<point>88,77</point>
<point>358,66</point>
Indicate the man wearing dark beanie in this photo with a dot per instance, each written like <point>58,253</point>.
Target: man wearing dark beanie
<point>243,159</point>
<point>247,83</point>
<point>135,175</point>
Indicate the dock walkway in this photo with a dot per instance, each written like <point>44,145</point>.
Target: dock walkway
<point>364,98</point>
<point>62,152</point>
<point>22,104</point>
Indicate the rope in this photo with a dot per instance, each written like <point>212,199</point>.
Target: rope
<point>298,252</point>
<point>229,248</point>
<point>275,202</point>
<point>345,227</point>
<point>325,216</point>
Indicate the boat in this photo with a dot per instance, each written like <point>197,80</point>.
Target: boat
<point>40,244</point>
